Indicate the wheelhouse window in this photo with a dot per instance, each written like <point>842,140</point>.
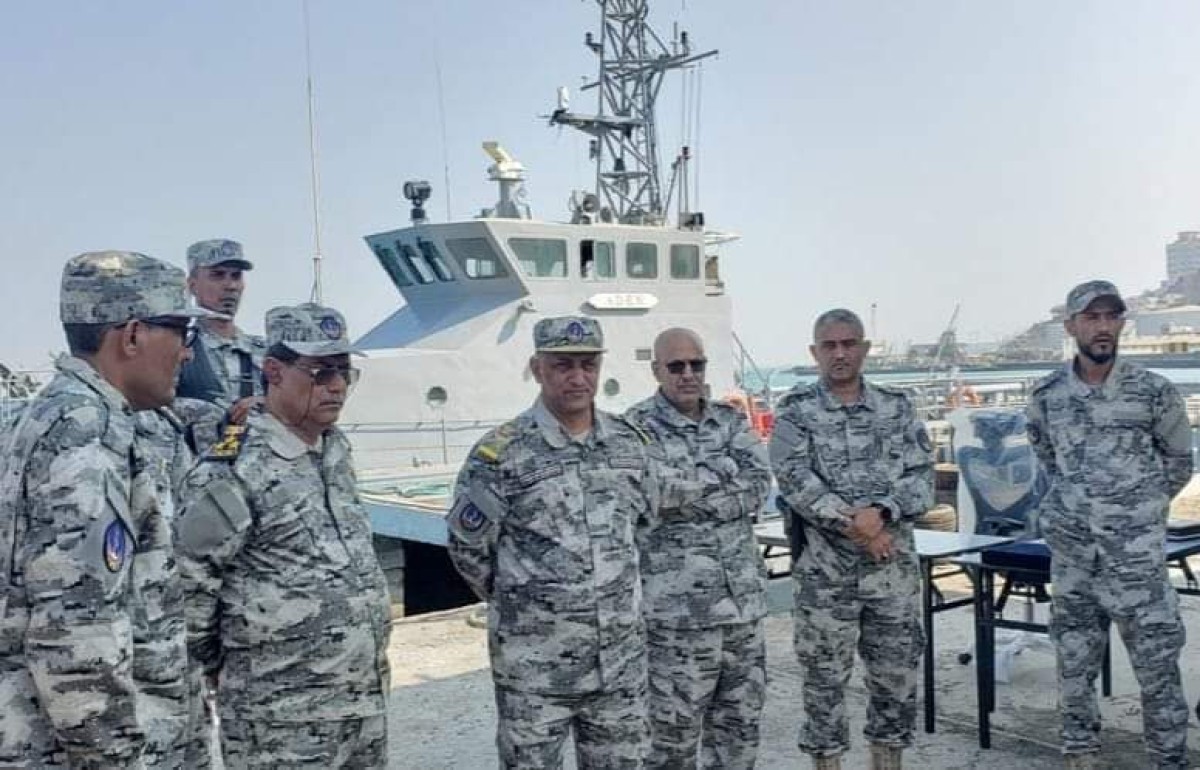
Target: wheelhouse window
<point>597,260</point>
<point>391,266</point>
<point>477,258</point>
<point>541,257</point>
<point>433,258</point>
<point>641,260</point>
<point>417,267</point>
<point>685,261</point>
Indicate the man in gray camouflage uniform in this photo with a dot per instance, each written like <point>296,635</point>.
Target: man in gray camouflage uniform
<point>92,645</point>
<point>702,574</point>
<point>287,606</point>
<point>1116,444</point>
<point>543,528</point>
<point>227,366</point>
<point>855,465</point>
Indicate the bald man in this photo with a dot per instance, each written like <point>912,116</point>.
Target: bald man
<point>703,578</point>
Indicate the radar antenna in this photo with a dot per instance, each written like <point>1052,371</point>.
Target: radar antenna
<point>633,60</point>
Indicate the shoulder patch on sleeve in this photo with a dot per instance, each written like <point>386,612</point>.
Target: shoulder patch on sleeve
<point>116,545</point>
<point>230,445</point>
<point>491,446</point>
<point>468,520</point>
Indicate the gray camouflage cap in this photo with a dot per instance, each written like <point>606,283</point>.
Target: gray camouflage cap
<point>1088,292</point>
<point>217,252</point>
<point>568,334</point>
<point>309,330</point>
<point>108,287</point>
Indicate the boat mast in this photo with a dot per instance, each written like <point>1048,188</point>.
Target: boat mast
<point>312,162</point>
<point>633,60</point>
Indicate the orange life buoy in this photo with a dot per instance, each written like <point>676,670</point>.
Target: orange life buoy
<point>963,395</point>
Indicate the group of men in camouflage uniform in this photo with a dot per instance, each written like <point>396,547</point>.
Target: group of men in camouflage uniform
<point>625,588</point>
<point>131,569</point>
<point>617,556</point>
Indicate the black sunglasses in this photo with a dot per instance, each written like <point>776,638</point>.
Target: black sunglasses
<point>326,375</point>
<point>184,327</point>
<point>697,365</point>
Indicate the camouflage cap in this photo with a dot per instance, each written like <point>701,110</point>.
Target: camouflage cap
<point>217,252</point>
<point>309,330</point>
<point>106,287</point>
<point>568,334</point>
<point>1088,292</point>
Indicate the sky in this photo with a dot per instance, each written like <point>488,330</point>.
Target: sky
<point>911,156</point>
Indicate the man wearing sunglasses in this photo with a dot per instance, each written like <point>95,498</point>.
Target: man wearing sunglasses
<point>1115,441</point>
<point>93,646</point>
<point>703,577</point>
<point>855,465</point>
<point>287,607</point>
<point>543,529</point>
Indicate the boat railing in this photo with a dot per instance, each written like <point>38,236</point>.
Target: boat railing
<point>416,443</point>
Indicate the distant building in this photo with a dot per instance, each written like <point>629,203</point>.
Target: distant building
<point>1151,323</point>
<point>1183,256</point>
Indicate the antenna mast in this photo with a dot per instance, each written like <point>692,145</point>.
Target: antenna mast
<point>633,60</point>
<point>312,162</point>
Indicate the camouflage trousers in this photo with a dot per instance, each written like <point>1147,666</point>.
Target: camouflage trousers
<point>881,615</point>
<point>1139,599</point>
<point>610,728</point>
<point>340,743</point>
<point>709,682</point>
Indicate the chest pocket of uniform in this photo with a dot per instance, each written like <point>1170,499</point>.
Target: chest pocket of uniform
<point>536,489</point>
<point>289,518</point>
<point>617,485</point>
<point>1128,429</point>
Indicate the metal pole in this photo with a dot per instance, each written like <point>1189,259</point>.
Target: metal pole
<point>312,161</point>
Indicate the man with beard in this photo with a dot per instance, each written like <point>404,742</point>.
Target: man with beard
<point>1116,444</point>
<point>287,607</point>
<point>703,578</point>
<point>226,365</point>
<point>855,466</point>
<point>92,645</point>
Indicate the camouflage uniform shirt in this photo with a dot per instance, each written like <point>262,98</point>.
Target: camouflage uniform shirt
<point>285,598</point>
<point>829,457</point>
<point>1116,455</point>
<point>92,646</point>
<point>543,528</point>
<point>225,354</point>
<point>702,568</point>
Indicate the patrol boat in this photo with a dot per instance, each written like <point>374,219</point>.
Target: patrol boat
<point>452,362</point>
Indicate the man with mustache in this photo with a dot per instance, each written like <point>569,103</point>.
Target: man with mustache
<point>702,575</point>
<point>287,607</point>
<point>226,365</point>
<point>92,638</point>
<point>1115,441</point>
<point>855,466</point>
<point>543,528</point>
